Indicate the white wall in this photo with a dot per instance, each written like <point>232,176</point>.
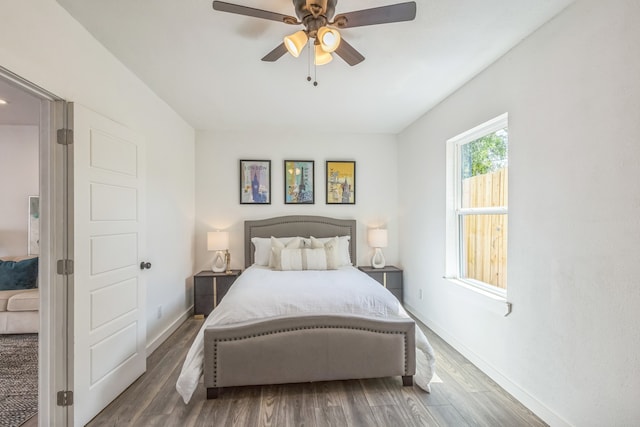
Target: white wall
<point>18,180</point>
<point>218,195</point>
<point>570,349</point>
<point>42,43</point>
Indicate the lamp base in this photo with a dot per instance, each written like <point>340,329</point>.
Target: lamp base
<point>227,262</point>
<point>378,260</point>
<point>219,264</point>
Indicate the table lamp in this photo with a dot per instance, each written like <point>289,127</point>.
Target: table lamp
<point>377,239</point>
<point>219,241</point>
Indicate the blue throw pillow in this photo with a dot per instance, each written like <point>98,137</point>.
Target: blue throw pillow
<point>18,274</point>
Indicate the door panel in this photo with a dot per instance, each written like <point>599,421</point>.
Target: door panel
<point>108,291</point>
<point>114,252</point>
<point>113,301</point>
<point>105,203</point>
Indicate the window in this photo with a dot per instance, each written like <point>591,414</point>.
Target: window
<point>477,195</point>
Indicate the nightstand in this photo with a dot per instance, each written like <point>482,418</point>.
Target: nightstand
<point>209,288</point>
<point>389,276</point>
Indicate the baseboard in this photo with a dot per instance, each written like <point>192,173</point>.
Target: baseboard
<point>533,404</point>
<point>162,337</point>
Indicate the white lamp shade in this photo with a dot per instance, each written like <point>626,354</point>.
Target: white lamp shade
<point>377,238</point>
<point>322,57</point>
<point>329,38</point>
<point>217,240</point>
<point>295,42</point>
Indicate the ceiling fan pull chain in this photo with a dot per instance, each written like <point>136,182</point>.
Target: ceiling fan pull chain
<point>309,62</point>
<point>315,74</point>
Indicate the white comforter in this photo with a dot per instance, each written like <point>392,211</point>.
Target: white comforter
<point>262,293</point>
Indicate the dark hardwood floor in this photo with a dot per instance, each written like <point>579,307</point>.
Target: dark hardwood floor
<point>461,396</point>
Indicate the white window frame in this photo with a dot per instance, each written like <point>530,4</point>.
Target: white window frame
<point>454,248</point>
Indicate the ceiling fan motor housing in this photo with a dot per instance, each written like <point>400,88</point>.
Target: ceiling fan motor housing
<point>314,8</point>
<point>312,25</point>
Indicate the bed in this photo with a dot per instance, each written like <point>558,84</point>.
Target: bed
<point>277,327</point>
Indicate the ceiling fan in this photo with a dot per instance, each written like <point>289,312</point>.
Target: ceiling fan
<point>316,16</point>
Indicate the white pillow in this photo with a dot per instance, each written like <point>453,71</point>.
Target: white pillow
<point>289,259</point>
<point>314,259</point>
<point>344,257</point>
<point>331,249</point>
<point>278,244</point>
<point>263,250</point>
<point>262,253</point>
<point>301,259</point>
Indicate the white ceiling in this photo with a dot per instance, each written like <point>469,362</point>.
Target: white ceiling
<point>206,64</point>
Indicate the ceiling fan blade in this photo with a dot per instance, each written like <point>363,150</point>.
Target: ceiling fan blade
<point>255,13</point>
<point>276,53</point>
<point>347,52</point>
<point>377,15</point>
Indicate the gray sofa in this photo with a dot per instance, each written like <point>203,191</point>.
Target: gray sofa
<point>19,308</point>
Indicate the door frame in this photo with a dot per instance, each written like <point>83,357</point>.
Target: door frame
<point>55,234</point>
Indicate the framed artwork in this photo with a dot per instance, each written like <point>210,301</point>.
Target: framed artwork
<point>341,182</point>
<point>299,182</point>
<point>34,225</point>
<point>255,182</point>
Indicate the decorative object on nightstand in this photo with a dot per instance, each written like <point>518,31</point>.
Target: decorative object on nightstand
<point>389,276</point>
<point>227,261</point>
<point>377,239</point>
<point>209,288</point>
<point>219,241</point>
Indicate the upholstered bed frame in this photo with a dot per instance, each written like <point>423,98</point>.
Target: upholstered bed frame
<point>292,349</point>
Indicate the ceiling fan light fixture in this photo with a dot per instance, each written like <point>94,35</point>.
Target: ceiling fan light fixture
<point>329,38</point>
<point>321,57</point>
<point>295,42</point>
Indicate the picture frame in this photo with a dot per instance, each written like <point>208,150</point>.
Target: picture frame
<point>299,182</point>
<point>340,182</point>
<point>33,245</point>
<point>255,182</point>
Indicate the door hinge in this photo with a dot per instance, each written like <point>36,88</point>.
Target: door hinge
<point>65,136</point>
<point>65,267</point>
<point>65,398</point>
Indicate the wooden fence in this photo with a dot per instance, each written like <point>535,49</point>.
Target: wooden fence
<point>485,236</point>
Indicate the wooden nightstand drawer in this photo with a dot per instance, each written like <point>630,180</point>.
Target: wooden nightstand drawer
<point>209,288</point>
<point>390,277</point>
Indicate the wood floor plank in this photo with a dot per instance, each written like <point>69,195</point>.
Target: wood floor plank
<point>447,415</point>
<point>214,413</point>
<point>185,415</point>
<point>243,410</point>
<point>464,396</point>
<point>390,415</point>
<point>435,397</point>
<point>463,373</point>
<point>330,416</point>
<point>376,390</point>
<point>309,405</point>
<point>420,413</point>
<point>357,410</point>
<point>269,401</point>
<point>294,411</point>
<point>326,394</point>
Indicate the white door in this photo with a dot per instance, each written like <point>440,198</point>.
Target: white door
<point>108,292</point>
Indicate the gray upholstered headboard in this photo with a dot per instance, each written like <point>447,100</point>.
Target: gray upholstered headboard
<point>298,225</point>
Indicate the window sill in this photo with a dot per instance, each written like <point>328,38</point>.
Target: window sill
<point>498,297</point>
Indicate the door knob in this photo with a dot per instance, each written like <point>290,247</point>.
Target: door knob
<point>144,265</point>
